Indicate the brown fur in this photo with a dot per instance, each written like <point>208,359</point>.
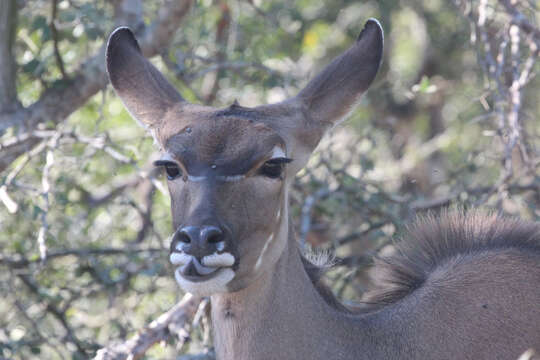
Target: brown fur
<point>434,241</point>
<point>466,286</point>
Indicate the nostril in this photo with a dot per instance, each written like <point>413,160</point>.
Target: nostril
<point>199,237</point>
<point>214,238</point>
<point>212,234</point>
<point>184,236</point>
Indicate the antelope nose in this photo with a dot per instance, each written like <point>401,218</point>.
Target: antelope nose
<point>200,240</point>
<point>201,235</point>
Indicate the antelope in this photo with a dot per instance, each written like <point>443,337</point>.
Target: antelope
<point>465,285</point>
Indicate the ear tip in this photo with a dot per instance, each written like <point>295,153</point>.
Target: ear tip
<point>121,40</point>
<point>120,32</point>
<point>374,22</point>
<point>122,35</point>
<point>372,28</point>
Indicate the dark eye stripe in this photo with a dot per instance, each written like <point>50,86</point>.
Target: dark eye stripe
<point>164,163</point>
<point>277,161</point>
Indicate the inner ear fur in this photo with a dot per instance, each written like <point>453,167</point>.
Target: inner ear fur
<point>143,89</point>
<point>331,94</point>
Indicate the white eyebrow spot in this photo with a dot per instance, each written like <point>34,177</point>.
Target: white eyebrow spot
<point>231,178</point>
<point>218,260</point>
<point>179,258</point>
<point>196,178</point>
<point>265,247</point>
<point>277,152</point>
<point>167,157</point>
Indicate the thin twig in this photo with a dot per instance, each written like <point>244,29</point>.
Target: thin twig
<point>17,261</point>
<point>46,187</point>
<point>54,34</point>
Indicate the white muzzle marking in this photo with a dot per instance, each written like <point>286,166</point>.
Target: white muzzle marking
<point>213,260</point>
<point>216,284</point>
<point>218,260</point>
<point>179,258</point>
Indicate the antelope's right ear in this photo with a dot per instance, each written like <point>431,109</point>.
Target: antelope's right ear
<point>144,91</point>
<point>332,93</point>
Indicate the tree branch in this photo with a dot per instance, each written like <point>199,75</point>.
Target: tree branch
<point>519,19</point>
<point>57,103</point>
<point>56,312</point>
<point>173,322</point>
<point>54,32</point>
<point>18,261</point>
<point>211,83</point>
<point>8,27</point>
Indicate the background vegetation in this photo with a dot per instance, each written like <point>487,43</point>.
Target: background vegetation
<point>452,118</point>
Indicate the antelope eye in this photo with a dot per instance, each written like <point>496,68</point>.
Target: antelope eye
<point>273,168</point>
<point>172,170</point>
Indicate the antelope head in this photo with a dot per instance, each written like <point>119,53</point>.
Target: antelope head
<point>229,169</point>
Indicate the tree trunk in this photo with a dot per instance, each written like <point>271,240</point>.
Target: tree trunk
<point>8,27</point>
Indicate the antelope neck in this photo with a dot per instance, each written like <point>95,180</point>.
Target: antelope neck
<point>282,315</point>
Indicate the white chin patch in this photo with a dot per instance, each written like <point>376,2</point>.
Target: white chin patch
<point>215,285</point>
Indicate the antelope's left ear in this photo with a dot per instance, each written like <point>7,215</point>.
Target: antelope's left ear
<point>332,93</point>
<point>144,90</point>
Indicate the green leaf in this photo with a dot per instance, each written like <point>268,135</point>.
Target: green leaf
<point>40,22</point>
<point>31,66</point>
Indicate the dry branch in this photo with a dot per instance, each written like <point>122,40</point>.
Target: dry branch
<point>519,19</point>
<point>54,33</point>
<point>508,69</point>
<point>57,103</point>
<point>173,322</point>
<point>222,38</point>
<point>18,261</point>
<point>58,313</point>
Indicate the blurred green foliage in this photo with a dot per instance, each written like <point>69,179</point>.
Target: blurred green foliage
<point>419,136</point>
